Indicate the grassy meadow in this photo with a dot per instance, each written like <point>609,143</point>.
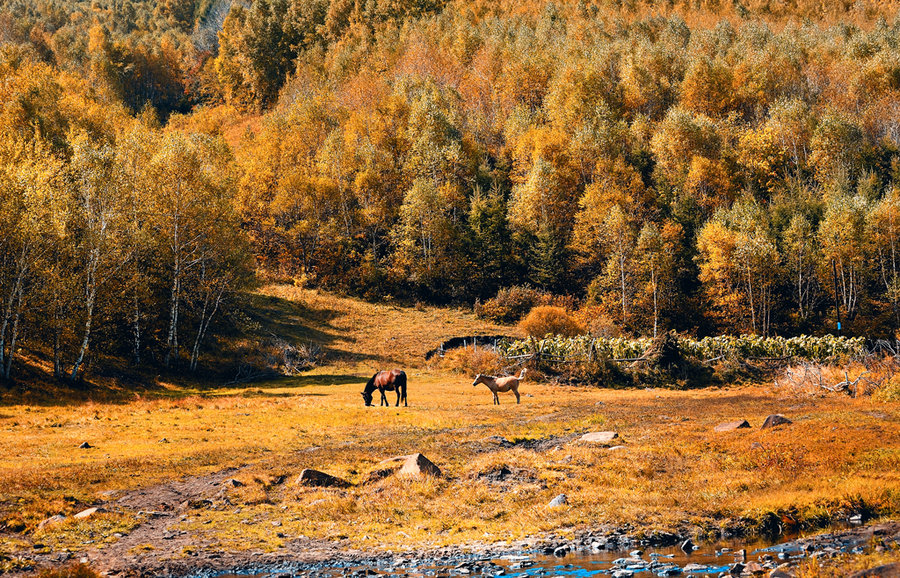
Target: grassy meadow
<point>840,456</point>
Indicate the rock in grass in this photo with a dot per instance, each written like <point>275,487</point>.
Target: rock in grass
<point>558,501</point>
<point>417,465</point>
<point>733,425</point>
<point>783,571</point>
<point>599,437</point>
<point>196,504</point>
<point>315,478</point>
<point>879,571</point>
<point>413,466</point>
<point>775,420</point>
<point>88,513</point>
<point>85,446</point>
<point>51,521</point>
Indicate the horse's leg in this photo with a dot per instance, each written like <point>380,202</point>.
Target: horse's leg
<point>516,391</point>
<point>384,400</point>
<point>496,397</point>
<point>405,404</point>
<point>398,398</point>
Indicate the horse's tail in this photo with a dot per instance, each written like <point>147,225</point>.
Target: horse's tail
<point>522,374</point>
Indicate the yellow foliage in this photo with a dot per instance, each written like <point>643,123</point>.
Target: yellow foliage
<point>549,320</point>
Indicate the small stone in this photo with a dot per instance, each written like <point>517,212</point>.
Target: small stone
<point>88,513</point>
<point>231,482</point>
<point>315,478</point>
<point>276,523</point>
<point>163,441</point>
<point>85,446</point>
<point>736,569</point>
<point>636,553</point>
<point>733,425</point>
<point>687,546</point>
<point>560,551</point>
<point>558,501</point>
<point>616,448</point>
<point>599,437</point>
<point>776,420</point>
<point>782,571</point>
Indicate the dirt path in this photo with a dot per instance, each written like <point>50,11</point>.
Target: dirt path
<point>158,546</point>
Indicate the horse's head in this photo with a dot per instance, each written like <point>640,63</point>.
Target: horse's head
<point>477,380</point>
<point>368,389</point>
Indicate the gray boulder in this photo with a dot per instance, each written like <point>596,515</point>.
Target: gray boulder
<point>317,479</point>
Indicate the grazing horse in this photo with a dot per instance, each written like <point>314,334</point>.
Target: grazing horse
<point>393,380</point>
<point>500,384</point>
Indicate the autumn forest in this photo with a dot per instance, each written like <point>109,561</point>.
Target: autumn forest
<point>704,166</point>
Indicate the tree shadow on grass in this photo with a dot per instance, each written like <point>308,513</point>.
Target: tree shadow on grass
<point>296,322</point>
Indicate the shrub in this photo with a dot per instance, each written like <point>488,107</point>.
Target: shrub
<point>598,323</point>
<point>470,361</point>
<point>512,303</point>
<point>548,319</point>
<point>890,391</point>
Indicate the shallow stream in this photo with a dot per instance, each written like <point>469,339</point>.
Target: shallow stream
<point>709,560</point>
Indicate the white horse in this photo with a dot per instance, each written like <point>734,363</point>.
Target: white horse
<point>501,384</point>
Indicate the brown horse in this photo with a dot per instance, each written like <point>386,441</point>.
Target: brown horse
<point>393,380</point>
<point>500,384</point>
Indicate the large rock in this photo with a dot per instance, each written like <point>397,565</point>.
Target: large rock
<point>599,437</point>
<point>879,571</point>
<point>754,568</point>
<point>733,425</point>
<point>774,420</point>
<point>413,466</point>
<point>783,571</point>
<point>315,478</point>
<point>417,465</point>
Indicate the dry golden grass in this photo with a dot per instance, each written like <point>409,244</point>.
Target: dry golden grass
<point>361,335</point>
<point>840,454</point>
<point>846,564</point>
